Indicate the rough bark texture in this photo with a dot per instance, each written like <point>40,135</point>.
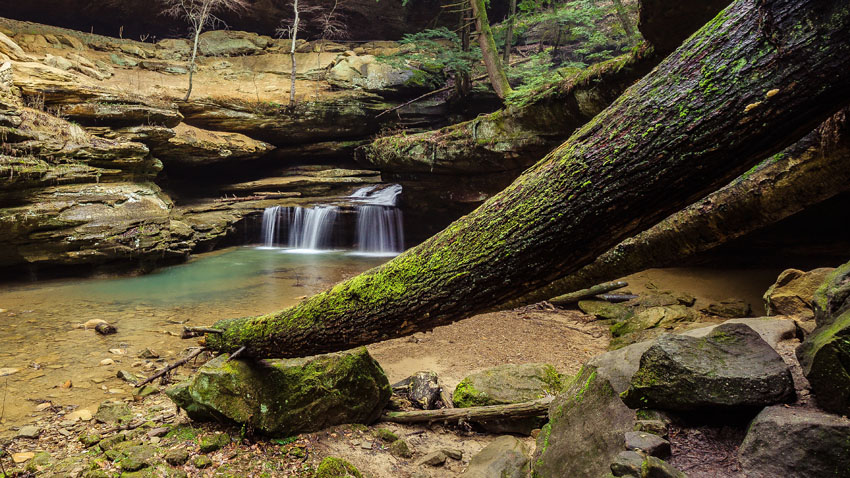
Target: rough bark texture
<point>708,113</point>
<point>806,173</point>
<point>534,408</point>
<point>489,50</point>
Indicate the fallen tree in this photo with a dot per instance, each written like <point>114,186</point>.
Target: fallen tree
<point>752,81</point>
<point>812,170</point>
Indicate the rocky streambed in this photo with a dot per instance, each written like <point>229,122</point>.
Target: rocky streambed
<point>720,396</point>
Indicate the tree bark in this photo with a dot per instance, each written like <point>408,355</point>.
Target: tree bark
<point>509,34</point>
<point>192,62</point>
<point>294,37</point>
<point>752,81</point>
<point>811,171</point>
<point>489,51</point>
<point>536,408</point>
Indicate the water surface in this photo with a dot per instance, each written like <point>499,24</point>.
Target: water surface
<point>40,335</point>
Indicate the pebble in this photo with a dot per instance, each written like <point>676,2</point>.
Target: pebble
<point>29,431</point>
<point>94,323</point>
<point>22,457</point>
<point>437,458</point>
<point>118,351</point>
<point>366,445</point>
<point>43,406</point>
<point>107,362</point>
<point>64,432</point>
<point>116,390</point>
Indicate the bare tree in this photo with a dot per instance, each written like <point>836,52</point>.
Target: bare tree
<point>199,14</point>
<point>328,23</point>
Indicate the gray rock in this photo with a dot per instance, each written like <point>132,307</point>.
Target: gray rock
<point>288,396</point>
<point>825,354</point>
<point>29,431</point>
<point>656,427</point>
<point>506,384</point>
<point>654,467</point>
<point>176,456</point>
<point>648,443</point>
<point>620,365</point>
<point>627,463</point>
<point>728,368</point>
<point>794,291</point>
<point>401,449</point>
<point>729,308</point>
<point>664,317</point>
<point>129,377</point>
<point>602,309</point>
<point>113,412</point>
<point>771,329</point>
<point>435,458</point>
<point>504,457</point>
<point>796,443</point>
<point>453,453</point>
<point>587,422</point>
<point>137,457</point>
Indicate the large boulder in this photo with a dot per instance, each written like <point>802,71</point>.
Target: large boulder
<point>231,43</point>
<point>796,443</point>
<point>794,291</point>
<point>825,354</point>
<point>731,367</point>
<point>288,396</point>
<point>505,457</point>
<point>587,423</point>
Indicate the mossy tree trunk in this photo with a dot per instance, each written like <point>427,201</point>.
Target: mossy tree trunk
<point>509,34</point>
<point>489,50</point>
<point>749,83</point>
<point>623,16</point>
<point>812,170</point>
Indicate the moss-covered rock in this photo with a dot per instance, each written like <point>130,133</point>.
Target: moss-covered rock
<point>587,422</point>
<point>505,457</point>
<point>794,291</point>
<point>137,457</point>
<point>289,396</point>
<point>332,467</point>
<point>401,449</point>
<point>730,367</point>
<point>113,412</point>
<point>214,442</point>
<point>604,310</point>
<point>825,354</point>
<point>663,317</point>
<point>506,384</point>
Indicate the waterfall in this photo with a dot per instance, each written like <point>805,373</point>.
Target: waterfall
<point>312,229</point>
<point>308,228</point>
<point>380,228</point>
<point>271,226</point>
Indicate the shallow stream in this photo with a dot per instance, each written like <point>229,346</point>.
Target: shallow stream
<point>45,355</point>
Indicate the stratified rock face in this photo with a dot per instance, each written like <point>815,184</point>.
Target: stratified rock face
<point>504,457</point>
<point>192,146</point>
<point>794,291</point>
<point>287,397</point>
<point>506,384</point>
<point>825,354</point>
<point>587,423</point>
<point>796,443</point>
<point>730,367</point>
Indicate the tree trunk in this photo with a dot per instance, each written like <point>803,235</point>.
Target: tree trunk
<point>294,36</point>
<point>623,16</point>
<point>192,62</point>
<point>509,35</point>
<point>755,79</point>
<point>536,408</point>
<point>811,171</point>
<point>489,51</point>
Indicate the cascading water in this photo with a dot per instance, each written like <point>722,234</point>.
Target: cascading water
<point>312,229</point>
<point>308,228</point>
<point>380,228</point>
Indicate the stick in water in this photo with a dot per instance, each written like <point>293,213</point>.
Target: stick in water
<point>170,367</point>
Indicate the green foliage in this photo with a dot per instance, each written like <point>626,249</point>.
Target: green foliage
<point>437,49</point>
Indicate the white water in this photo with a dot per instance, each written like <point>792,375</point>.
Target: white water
<point>380,224</point>
<point>309,229</point>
